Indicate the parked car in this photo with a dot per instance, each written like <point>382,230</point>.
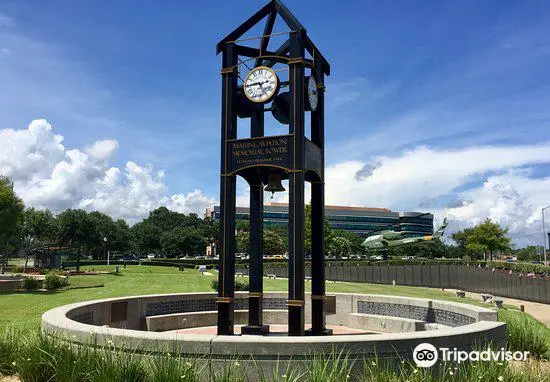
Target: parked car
<point>130,257</point>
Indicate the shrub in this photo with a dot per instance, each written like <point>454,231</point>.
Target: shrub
<point>38,358</point>
<point>520,267</point>
<point>30,283</point>
<point>526,333</point>
<point>240,285</point>
<point>55,281</point>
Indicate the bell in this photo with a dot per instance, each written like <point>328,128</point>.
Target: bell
<point>281,108</point>
<point>274,184</point>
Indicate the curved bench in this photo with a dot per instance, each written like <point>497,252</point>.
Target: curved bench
<point>121,323</point>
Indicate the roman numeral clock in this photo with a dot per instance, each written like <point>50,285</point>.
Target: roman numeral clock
<point>282,84</point>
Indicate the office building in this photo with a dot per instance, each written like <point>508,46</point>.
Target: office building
<point>360,220</point>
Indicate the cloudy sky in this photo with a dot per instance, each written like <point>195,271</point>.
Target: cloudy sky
<point>438,106</point>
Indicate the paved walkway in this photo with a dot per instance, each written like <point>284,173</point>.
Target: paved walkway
<point>536,309</point>
<point>275,330</point>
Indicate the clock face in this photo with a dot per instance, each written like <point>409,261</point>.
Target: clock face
<point>312,93</point>
<point>261,84</point>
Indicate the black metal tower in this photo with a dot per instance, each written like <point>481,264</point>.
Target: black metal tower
<point>265,160</point>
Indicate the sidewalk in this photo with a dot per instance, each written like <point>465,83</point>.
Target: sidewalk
<point>536,309</point>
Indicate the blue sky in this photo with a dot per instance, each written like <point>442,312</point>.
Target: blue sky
<point>408,78</point>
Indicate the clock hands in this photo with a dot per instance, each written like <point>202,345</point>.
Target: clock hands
<point>260,85</point>
<point>263,90</point>
<point>257,83</point>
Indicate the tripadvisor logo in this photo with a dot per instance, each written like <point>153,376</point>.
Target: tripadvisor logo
<point>426,355</point>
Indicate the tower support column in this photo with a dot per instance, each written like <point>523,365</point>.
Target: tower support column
<point>296,212</point>
<point>228,184</point>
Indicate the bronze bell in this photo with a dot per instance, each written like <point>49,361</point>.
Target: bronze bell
<point>274,184</point>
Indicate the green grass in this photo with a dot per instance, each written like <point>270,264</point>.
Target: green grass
<point>526,333</point>
<point>37,358</point>
<point>18,262</point>
<point>34,358</point>
<point>27,307</point>
<point>82,282</point>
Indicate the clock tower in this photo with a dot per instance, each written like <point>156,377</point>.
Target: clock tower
<point>285,84</point>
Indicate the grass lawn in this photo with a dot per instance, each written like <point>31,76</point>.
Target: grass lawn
<point>18,262</point>
<point>27,307</point>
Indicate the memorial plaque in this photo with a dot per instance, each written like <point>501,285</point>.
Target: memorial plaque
<point>119,311</point>
<point>268,151</point>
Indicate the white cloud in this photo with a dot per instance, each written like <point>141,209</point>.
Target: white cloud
<point>513,199</point>
<point>102,150</point>
<point>194,201</point>
<point>48,175</point>
<point>30,153</point>
<point>417,179</point>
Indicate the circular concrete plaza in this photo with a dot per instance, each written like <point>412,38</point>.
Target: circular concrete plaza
<point>365,327</point>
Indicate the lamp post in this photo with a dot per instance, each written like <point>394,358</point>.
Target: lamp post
<point>105,240</point>
<point>544,234</point>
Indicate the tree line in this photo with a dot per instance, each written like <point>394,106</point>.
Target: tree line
<point>171,234</point>
<point>91,234</point>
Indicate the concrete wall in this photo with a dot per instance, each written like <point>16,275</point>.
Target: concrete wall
<point>473,279</point>
<point>10,283</point>
<point>83,323</point>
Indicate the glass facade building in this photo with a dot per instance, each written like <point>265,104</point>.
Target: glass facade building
<point>360,220</point>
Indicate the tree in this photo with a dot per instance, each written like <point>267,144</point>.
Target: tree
<point>182,240</point>
<point>461,237</point>
<point>242,240</point>
<point>429,249</point>
<point>147,237</point>
<point>76,229</point>
<point>353,238</point>
<point>281,231</point>
<point>11,217</point>
<point>102,227</point>
<point>273,243</point>
<point>166,220</point>
<point>339,246</point>
<point>211,231</point>
<point>528,253</point>
<point>307,232</point>
<point>488,238</point>
<point>122,239</point>
<point>38,228</point>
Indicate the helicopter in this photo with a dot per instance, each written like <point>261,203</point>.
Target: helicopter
<point>388,238</point>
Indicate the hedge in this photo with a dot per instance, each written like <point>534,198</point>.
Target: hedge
<point>520,267</point>
<point>240,285</point>
<point>194,263</point>
<point>332,263</point>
